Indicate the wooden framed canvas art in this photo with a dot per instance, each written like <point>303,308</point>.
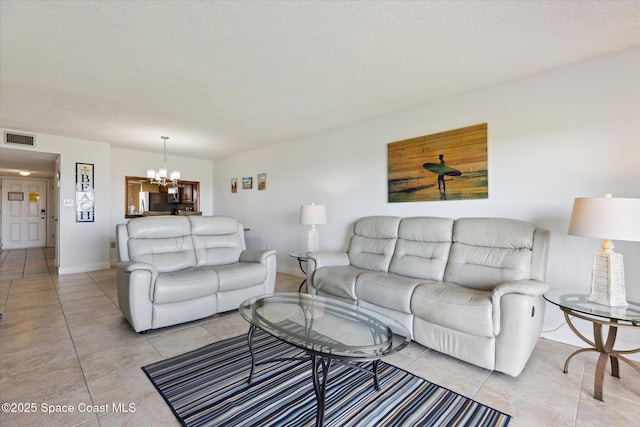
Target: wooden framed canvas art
<point>450,165</point>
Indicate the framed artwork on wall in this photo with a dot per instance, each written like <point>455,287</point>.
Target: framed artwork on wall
<point>247,183</point>
<point>450,165</point>
<point>85,198</point>
<point>234,185</point>
<point>262,181</point>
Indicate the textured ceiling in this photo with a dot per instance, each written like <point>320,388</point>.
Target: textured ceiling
<point>222,77</point>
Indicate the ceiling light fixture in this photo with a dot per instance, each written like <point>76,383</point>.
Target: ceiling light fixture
<point>160,177</point>
<point>24,173</point>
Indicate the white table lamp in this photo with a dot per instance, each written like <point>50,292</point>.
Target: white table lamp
<point>313,215</point>
<point>607,218</point>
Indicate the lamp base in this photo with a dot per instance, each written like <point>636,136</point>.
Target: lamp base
<point>312,240</point>
<point>607,282</point>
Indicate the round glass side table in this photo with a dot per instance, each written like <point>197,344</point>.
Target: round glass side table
<point>576,304</point>
<point>301,256</point>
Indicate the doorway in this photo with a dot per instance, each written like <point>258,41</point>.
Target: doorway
<point>43,168</point>
<point>24,213</point>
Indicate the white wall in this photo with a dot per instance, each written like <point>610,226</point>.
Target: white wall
<point>571,132</point>
<point>86,246</point>
<point>82,246</point>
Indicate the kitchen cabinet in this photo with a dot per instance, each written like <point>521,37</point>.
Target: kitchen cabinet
<point>138,193</point>
<point>186,191</point>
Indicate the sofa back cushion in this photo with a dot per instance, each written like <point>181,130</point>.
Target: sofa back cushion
<point>218,240</point>
<point>373,242</point>
<point>164,241</point>
<point>489,251</point>
<point>422,248</point>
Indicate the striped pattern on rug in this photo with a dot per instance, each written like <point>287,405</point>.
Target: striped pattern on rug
<point>208,387</point>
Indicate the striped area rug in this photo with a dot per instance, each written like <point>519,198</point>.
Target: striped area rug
<point>208,387</point>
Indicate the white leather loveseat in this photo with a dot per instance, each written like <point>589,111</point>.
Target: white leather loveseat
<point>174,269</point>
<point>470,288</point>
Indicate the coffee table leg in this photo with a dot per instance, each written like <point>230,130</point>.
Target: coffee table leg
<point>375,374</point>
<point>253,359</point>
<point>320,385</point>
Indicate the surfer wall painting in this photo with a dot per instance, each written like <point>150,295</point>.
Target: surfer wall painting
<point>450,165</point>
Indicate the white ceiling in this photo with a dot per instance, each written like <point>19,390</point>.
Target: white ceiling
<point>220,77</point>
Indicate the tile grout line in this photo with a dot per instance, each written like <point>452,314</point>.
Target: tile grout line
<point>75,349</point>
<point>580,383</point>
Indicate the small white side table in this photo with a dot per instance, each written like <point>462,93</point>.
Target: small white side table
<point>301,256</point>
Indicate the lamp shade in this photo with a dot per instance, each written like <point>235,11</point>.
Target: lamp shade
<point>606,218</point>
<point>313,214</point>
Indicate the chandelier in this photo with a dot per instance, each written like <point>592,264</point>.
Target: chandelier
<point>160,177</point>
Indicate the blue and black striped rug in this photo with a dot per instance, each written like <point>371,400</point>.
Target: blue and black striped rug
<point>208,387</point>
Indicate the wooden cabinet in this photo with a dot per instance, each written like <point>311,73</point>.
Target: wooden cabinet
<point>135,186</point>
<point>186,193</point>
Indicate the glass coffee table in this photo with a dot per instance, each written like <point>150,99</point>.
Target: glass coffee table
<point>328,330</point>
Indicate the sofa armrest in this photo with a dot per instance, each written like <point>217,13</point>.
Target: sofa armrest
<point>316,260</point>
<point>136,285</point>
<point>329,259</point>
<point>529,288</point>
<point>267,258</point>
<point>256,255</point>
<point>132,267</point>
<point>525,287</point>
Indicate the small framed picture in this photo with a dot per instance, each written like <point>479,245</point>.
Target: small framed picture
<point>247,183</point>
<point>234,185</point>
<point>15,196</point>
<point>262,181</point>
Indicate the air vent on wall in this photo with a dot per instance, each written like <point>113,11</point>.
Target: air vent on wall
<point>17,139</point>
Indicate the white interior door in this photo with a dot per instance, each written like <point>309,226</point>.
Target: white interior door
<point>24,204</point>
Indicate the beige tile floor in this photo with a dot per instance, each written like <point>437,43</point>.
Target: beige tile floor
<point>65,346</point>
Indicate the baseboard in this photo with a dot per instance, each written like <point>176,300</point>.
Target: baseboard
<point>626,339</point>
<point>84,268</point>
<point>291,271</point>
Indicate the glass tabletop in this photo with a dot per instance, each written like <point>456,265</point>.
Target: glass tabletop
<point>326,326</point>
<point>579,301</point>
<point>299,254</point>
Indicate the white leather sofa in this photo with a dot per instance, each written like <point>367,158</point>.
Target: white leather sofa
<point>174,269</point>
<point>470,288</point>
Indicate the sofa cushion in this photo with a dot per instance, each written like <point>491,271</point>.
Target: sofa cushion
<point>373,242</point>
<point>164,241</point>
<point>185,285</point>
<point>422,248</point>
<point>489,251</point>
<point>240,275</point>
<point>455,307</point>
<point>337,281</point>
<point>216,240</point>
<point>386,290</point>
